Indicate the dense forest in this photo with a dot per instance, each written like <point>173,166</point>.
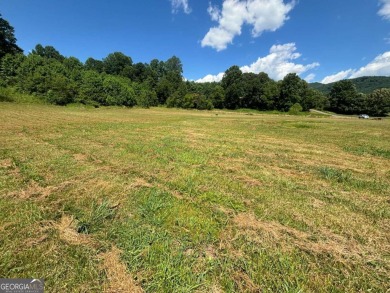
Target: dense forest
<point>117,80</point>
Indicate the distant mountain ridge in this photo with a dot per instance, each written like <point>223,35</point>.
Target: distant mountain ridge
<point>365,84</point>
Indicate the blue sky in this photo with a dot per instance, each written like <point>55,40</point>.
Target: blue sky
<point>321,40</point>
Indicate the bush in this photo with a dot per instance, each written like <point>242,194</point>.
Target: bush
<point>61,90</point>
<point>145,97</point>
<point>295,109</point>
<point>9,65</point>
<point>190,101</point>
<point>197,101</point>
<point>118,92</point>
<point>91,88</point>
<point>5,95</point>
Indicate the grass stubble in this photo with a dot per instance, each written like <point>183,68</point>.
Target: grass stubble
<point>164,200</point>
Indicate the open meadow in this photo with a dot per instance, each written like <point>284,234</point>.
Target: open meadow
<point>167,200</point>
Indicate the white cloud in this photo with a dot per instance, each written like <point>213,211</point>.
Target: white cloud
<point>177,4</point>
<point>214,12</point>
<point>277,64</point>
<point>268,14</point>
<point>212,78</point>
<point>385,10</point>
<point>338,76</point>
<point>310,77</point>
<point>263,15</point>
<point>380,66</point>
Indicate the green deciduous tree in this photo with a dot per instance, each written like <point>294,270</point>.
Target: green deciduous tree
<point>93,64</point>
<point>116,62</point>
<point>9,65</point>
<point>200,101</point>
<point>176,99</point>
<point>174,64</point>
<point>378,102</point>
<point>28,77</point>
<point>139,72</point>
<point>292,91</point>
<point>158,69</point>
<point>191,101</point>
<point>217,97</point>
<point>91,88</point>
<point>145,96</point>
<point>314,99</point>
<point>118,92</point>
<point>164,89</point>
<point>60,90</point>
<point>232,83</point>
<point>47,78</point>
<point>74,68</point>
<point>259,91</point>
<point>47,52</point>
<point>344,98</point>
<point>173,70</point>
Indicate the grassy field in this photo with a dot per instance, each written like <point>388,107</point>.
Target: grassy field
<point>163,200</point>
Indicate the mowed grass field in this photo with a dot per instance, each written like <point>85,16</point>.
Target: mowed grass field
<point>165,200</point>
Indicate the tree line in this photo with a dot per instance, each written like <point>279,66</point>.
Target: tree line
<point>117,81</point>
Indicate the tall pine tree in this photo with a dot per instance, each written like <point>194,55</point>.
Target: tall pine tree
<point>7,39</point>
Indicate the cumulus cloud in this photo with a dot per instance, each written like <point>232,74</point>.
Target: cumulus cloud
<point>310,77</point>
<point>212,78</point>
<point>262,15</point>
<point>380,66</point>
<point>277,64</point>
<point>177,4</point>
<point>385,10</point>
<point>338,76</point>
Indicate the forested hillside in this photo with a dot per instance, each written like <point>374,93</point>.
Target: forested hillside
<point>365,85</point>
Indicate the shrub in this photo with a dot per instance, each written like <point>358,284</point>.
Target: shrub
<point>5,95</point>
<point>295,109</point>
<point>91,88</point>
<point>196,101</point>
<point>118,92</point>
<point>145,97</point>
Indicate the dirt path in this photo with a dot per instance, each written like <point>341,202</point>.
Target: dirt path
<point>329,114</point>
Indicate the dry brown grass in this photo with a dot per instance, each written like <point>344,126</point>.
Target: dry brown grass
<point>245,284</point>
<point>67,229</point>
<point>119,280</point>
<point>140,182</point>
<point>34,190</point>
<point>6,163</point>
<point>80,157</point>
<point>322,242</point>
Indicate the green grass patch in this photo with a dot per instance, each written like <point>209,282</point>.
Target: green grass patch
<point>334,174</point>
<point>96,218</point>
<point>369,150</point>
<point>194,201</point>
